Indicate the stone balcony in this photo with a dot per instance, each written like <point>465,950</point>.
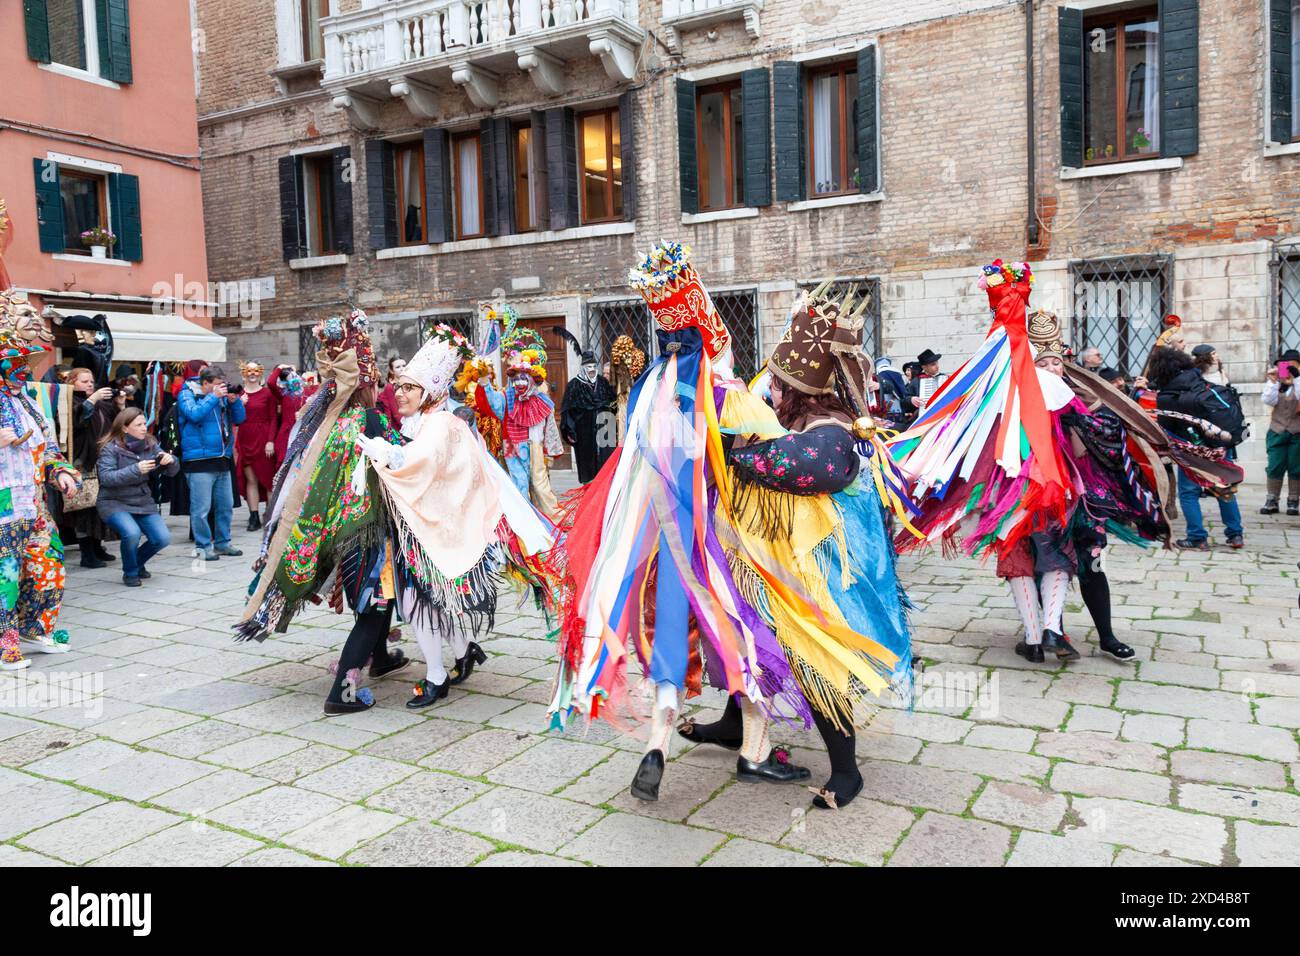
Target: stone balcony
<point>411,49</point>
<point>680,15</point>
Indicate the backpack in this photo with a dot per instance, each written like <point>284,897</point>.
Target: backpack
<point>1218,404</point>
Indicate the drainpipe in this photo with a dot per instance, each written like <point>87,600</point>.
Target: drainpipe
<point>1029,119</point>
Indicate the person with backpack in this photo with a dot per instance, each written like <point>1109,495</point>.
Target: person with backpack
<point>1283,440</point>
<point>1206,415</point>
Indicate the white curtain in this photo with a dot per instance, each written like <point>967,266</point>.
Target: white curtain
<point>467,198</point>
<point>824,90</point>
<point>1151,83</point>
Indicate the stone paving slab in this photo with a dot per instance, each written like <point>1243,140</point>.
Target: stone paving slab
<point>194,750</point>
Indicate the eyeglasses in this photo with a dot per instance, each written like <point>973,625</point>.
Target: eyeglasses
<point>409,387</point>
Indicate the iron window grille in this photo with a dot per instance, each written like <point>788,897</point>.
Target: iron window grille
<point>1118,305</point>
<point>871,324</point>
<point>307,346</point>
<point>739,313</point>
<point>606,321</point>
<point>463,322</point>
<point>1286,299</point>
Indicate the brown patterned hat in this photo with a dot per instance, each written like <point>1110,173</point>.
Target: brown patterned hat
<point>1045,334</point>
<point>820,327</point>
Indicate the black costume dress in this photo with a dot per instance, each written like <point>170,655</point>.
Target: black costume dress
<point>580,424</point>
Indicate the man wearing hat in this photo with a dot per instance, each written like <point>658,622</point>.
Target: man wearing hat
<point>927,381</point>
<point>586,418</point>
<point>1283,440</point>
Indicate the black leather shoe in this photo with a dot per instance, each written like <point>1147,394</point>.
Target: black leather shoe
<point>145,575</point>
<point>645,784</point>
<point>465,665</point>
<point>690,730</point>
<point>775,769</point>
<point>1120,651</point>
<point>1031,652</point>
<point>425,694</point>
<point>88,560</point>
<point>103,555</point>
<point>130,581</point>
<point>396,662</point>
<point>254,521</point>
<point>1065,651</point>
<point>333,709</point>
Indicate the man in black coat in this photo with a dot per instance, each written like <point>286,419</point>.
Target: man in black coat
<point>587,421</point>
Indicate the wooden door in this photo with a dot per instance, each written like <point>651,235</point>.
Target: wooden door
<point>557,370</point>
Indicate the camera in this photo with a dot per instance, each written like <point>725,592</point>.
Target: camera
<point>157,459</point>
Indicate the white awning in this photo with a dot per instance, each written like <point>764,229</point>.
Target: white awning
<point>145,337</point>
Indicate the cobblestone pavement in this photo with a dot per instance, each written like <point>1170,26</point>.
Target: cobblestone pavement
<point>186,748</point>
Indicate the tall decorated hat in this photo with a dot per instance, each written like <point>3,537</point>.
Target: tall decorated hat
<point>820,328</point>
<point>340,334</point>
<point>522,348</point>
<point>1045,335</point>
<point>677,298</point>
<point>434,366</point>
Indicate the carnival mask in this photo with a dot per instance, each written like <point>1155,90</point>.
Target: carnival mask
<point>589,371</point>
<point>522,383</point>
<point>292,384</point>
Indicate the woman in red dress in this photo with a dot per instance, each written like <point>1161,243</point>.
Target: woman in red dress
<point>255,441</point>
<point>288,387</point>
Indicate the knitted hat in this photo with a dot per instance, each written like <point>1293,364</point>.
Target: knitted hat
<point>1045,334</point>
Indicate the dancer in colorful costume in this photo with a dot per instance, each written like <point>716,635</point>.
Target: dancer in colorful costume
<point>653,545</point>
<point>526,413</point>
<point>327,520</point>
<point>810,491</point>
<point>31,552</point>
<point>449,560</point>
<point>626,363</point>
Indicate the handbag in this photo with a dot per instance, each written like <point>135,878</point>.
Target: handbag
<point>84,497</point>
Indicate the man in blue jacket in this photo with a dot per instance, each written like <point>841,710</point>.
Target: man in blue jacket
<point>208,413</point>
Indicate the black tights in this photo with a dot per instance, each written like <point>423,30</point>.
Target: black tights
<point>842,750</point>
<point>368,637</point>
<point>1095,588</point>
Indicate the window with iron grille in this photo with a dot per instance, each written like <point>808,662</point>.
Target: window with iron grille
<point>739,313</point>
<point>871,318</point>
<point>1286,298</point>
<point>466,323</point>
<point>606,321</point>
<point>307,346</point>
<point>1118,305</point>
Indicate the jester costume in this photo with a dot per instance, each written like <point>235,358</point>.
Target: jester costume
<point>31,552</point>
<point>449,560</point>
<point>525,412</point>
<point>327,527</point>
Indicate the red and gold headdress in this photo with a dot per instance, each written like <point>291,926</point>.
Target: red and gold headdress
<point>677,298</point>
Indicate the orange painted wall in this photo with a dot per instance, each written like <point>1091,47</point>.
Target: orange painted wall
<point>155,113</point>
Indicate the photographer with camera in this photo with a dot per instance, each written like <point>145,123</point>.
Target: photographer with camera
<point>128,454</point>
<point>208,411</point>
<point>1283,440</point>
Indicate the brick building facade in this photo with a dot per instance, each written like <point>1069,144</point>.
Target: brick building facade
<point>788,141</point>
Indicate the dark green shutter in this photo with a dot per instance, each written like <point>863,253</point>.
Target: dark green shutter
<point>49,206</point>
<point>381,194</point>
<point>343,173</point>
<point>788,130</point>
<point>1281,123</point>
<point>687,157</point>
<point>1070,38</point>
<point>290,208</point>
<point>503,175</point>
<point>627,154</point>
<point>124,201</point>
<point>756,137</point>
<point>1179,78</point>
<point>113,24</point>
<point>488,176</point>
<point>868,123</point>
<point>37,20</point>
<point>562,167</point>
<point>437,184</point>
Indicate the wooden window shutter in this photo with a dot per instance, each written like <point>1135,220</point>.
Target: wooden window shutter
<point>113,25</point>
<point>687,157</point>
<point>124,201</point>
<point>503,175</point>
<point>788,130</point>
<point>627,154</point>
<point>1069,28</point>
<point>437,184</point>
<point>1281,123</point>
<point>756,136</point>
<point>562,166</point>
<point>49,205</point>
<point>381,194</point>
<point>37,20</point>
<point>868,123</point>
<point>1179,78</point>
<point>291,213</point>
<point>539,185</point>
<point>487,176</point>
<point>343,172</point>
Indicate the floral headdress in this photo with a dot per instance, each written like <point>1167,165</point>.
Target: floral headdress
<point>677,298</point>
<point>338,334</point>
<point>998,272</point>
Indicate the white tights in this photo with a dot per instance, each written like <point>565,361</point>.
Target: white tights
<point>665,711</point>
<point>431,637</point>
<point>1040,608</point>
